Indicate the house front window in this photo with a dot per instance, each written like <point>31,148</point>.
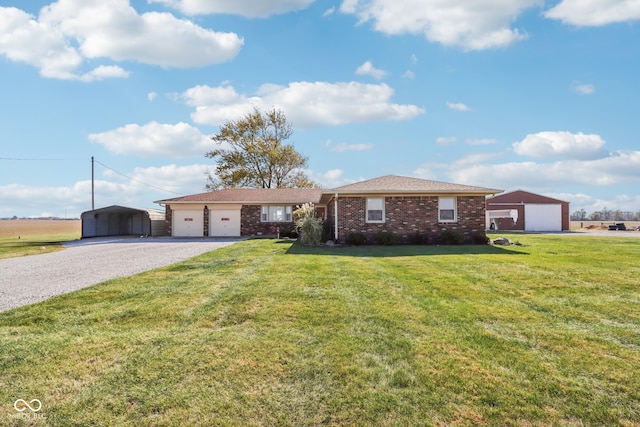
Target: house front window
<point>275,214</point>
<point>447,209</point>
<point>375,210</point>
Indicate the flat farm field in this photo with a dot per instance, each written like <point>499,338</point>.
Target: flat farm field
<point>22,237</point>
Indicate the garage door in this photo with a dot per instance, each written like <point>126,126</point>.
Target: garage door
<point>542,217</point>
<point>224,223</point>
<point>188,223</point>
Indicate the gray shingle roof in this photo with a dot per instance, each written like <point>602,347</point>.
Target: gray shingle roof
<point>404,184</point>
<point>389,184</point>
<point>253,195</point>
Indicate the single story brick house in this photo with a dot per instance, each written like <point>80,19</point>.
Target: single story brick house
<point>402,205</point>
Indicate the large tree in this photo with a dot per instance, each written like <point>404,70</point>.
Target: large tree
<point>251,153</point>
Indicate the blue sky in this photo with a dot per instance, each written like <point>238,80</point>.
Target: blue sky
<point>537,95</point>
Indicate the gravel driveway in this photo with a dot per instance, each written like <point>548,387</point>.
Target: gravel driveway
<point>83,263</point>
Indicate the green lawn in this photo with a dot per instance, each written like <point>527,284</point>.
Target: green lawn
<point>33,244</point>
<point>271,333</point>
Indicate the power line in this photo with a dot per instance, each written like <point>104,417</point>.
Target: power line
<point>30,159</point>
<point>22,159</point>
<point>135,180</point>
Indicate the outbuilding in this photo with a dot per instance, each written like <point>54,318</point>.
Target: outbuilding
<point>524,211</point>
<point>123,221</point>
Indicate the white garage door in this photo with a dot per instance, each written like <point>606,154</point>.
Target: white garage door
<point>542,217</point>
<point>224,223</point>
<point>188,223</point>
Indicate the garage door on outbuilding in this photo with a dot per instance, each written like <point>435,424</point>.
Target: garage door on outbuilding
<point>543,217</point>
<point>535,212</point>
<point>123,221</point>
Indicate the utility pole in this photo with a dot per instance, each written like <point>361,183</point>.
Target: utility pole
<point>93,205</point>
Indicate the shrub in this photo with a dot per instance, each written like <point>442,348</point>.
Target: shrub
<point>451,237</point>
<point>291,234</point>
<point>308,225</point>
<point>356,238</point>
<point>387,238</point>
<point>327,231</point>
<point>480,239</point>
<point>418,239</point>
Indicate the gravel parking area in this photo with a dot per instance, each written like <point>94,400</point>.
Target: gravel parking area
<point>83,263</point>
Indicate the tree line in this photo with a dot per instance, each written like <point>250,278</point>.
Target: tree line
<point>605,215</point>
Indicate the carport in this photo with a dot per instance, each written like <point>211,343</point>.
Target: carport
<point>123,221</point>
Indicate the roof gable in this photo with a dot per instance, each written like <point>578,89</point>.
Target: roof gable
<point>522,197</point>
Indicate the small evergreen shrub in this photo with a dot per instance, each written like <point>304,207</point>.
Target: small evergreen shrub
<point>286,233</point>
<point>327,231</point>
<point>480,239</point>
<point>356,238</point>
<point>451,237</point>
<point>387,238</point>
<point>418,239</point>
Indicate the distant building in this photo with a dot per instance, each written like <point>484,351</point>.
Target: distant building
<point>523,211</point>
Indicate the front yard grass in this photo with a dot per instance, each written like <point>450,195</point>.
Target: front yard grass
<point>33,244</point>
<point>272,333</point>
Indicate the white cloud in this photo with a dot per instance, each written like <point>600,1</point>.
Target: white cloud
<point>445,140</point>
<point>617,168</point>
<point>246,8</point>
<point>154,140</point>
<point>458,106</point>
<point>561,144</point>
<point>595,12</point>
<point>343,146</point>
<point>623,202</point>
<point>103,72</point>
<point>477,25</point>
<point>409,75</point>
<point>68,32</point>
<point>425,172</point>
<point>306,104</point>
<point>180,179</point>
<point>329,179</point>
<point>151,96</point>
<point>329,12</point>
<point>42,45</point>
<point>110,189</point>
<point>367,69</point>
<point>474,159</point>
<point>583,88</point>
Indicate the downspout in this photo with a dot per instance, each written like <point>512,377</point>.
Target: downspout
<point>335,217</point>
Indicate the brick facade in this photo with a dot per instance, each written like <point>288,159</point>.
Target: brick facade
<point>205,221</point>
<point>167,219</point>
<point>251,225</point>
<point>408,216</point>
